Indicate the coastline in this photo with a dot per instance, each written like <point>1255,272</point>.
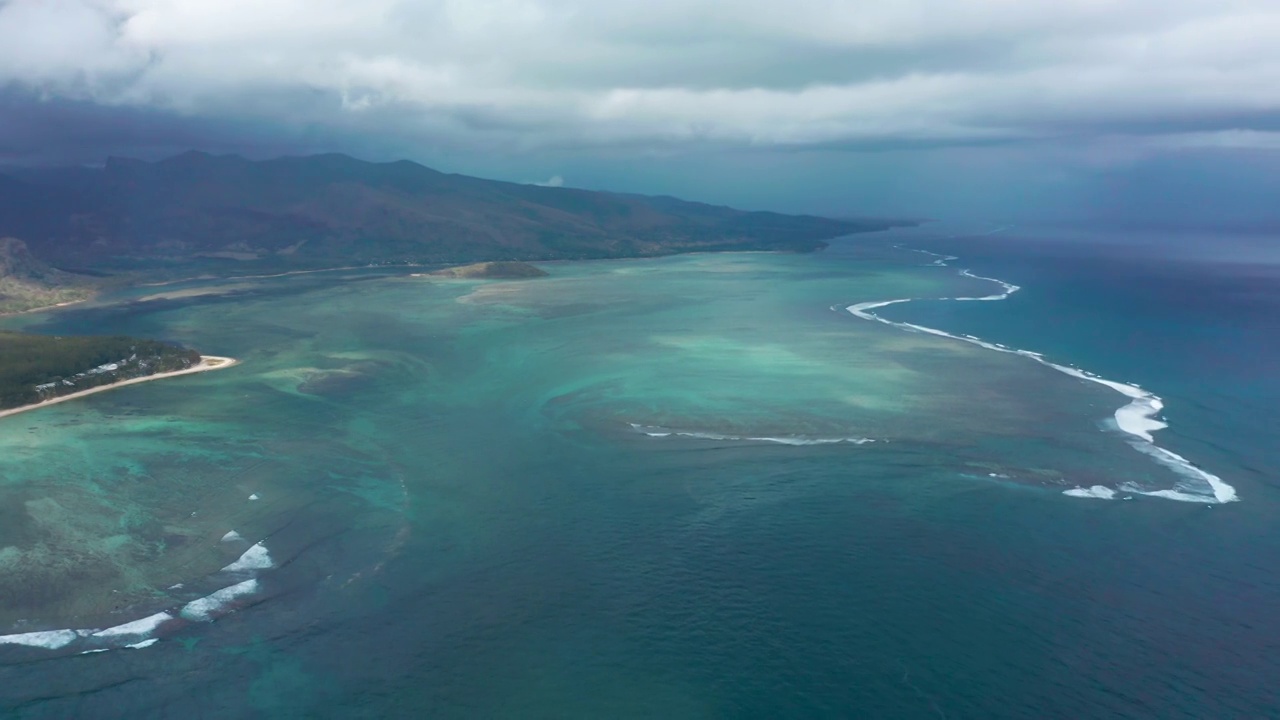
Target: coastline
<point>284,274</point>
<point>207,363</point>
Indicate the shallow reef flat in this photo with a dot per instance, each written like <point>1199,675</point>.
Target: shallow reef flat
<point>384,434</point>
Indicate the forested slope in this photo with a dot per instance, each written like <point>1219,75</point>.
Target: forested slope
<point>40,367</point>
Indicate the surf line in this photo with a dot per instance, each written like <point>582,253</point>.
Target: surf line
<point>1137,419</point>
<point>138,633</point>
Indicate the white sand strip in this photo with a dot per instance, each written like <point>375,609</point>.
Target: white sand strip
<point>207,363</point>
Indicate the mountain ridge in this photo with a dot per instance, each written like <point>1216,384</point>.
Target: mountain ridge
<point>317,210</point>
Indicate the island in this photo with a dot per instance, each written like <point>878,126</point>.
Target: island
<point>39,370</point>
<point>490,271</point>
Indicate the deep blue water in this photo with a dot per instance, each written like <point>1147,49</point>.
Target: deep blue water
<point>1194,318</point>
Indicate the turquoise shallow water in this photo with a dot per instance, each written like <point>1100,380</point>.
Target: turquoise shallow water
<point>568,498</point>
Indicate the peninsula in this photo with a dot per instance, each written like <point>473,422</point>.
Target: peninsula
<point>40,370</point>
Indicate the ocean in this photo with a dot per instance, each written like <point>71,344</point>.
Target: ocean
<point>723,485</point>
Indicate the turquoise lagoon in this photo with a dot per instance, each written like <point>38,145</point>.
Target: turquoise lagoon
<point>695,486</point>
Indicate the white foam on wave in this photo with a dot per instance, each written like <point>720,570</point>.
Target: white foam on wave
<point>941,260</point>
<point>1009,288</point>
<point>232,537</point>
<point>255,558</point>
<point>781,440</point>
<point>49,639</point>
<point>1102,492</point>
<point>800,441</point>
<point>137,627</point>
<point>1137,418</point>
<point>205,608</point>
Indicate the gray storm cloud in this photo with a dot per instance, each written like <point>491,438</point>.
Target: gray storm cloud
<point>1159,111</point>
<point>748,73</point>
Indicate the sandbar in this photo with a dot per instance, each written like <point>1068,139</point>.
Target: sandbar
<point>42,308</point>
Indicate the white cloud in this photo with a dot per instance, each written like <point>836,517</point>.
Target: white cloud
<point>752,72</point>
<point>66,44</point>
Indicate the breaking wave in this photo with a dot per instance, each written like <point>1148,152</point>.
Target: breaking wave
<point>139,634</point>
<point>657,431</point>
<point>1137,418</point>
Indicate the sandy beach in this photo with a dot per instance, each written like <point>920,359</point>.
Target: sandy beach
<point>207,363</point>
<point>43,308</point>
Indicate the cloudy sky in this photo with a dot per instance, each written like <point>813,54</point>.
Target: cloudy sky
<point>1062,109</point>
